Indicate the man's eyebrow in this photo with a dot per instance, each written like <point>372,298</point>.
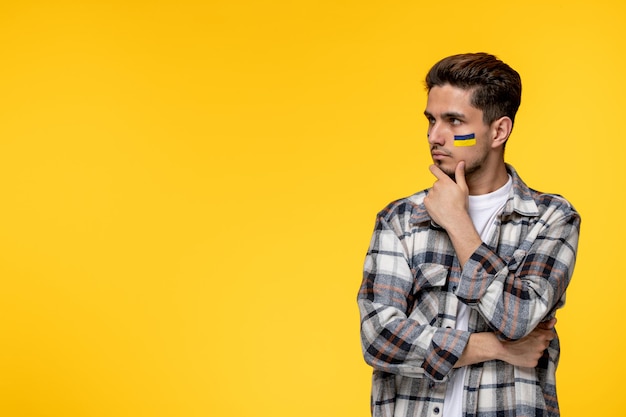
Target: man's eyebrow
<point>453,115</point>
<point>447,115</point>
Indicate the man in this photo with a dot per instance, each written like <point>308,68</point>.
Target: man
<point>462,281</point>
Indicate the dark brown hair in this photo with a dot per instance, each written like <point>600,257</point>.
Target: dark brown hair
<point>497,88</point>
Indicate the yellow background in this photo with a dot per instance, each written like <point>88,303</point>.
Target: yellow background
<point>189,188</point>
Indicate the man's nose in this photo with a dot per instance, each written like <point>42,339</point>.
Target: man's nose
<point>435,135</point>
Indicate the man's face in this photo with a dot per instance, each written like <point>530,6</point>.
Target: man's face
<point>451,115</point>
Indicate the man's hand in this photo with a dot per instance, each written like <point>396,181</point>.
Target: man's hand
<point>527,351</point>
<point>447,204</point>
<point>447,201</point>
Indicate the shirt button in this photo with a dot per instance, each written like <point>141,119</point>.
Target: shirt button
<point>436,410</point>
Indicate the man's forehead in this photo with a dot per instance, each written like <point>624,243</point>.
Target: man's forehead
<point>449,99</point>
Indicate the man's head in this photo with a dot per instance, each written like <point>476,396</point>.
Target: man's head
<point>496,88</point>
<point>472,101</point>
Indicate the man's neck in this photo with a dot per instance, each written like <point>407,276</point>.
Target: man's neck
<point>487,180</point>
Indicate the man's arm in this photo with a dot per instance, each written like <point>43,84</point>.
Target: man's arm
<point>448,206</point>
<point>391,341</point>
<point>395,343</point>
<point>512,297</point>
<point>524,352</point>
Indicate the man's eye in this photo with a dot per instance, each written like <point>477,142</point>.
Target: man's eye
<point>455,122</point>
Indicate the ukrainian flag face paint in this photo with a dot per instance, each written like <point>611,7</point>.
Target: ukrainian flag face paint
<point>465,140</point>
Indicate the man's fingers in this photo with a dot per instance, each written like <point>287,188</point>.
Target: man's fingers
<point>459,175</point>
<point>548,325</point>
<point>437,172</point>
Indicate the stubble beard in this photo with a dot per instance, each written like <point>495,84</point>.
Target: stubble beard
<point>470,169</point>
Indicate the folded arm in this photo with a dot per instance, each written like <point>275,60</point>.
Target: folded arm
<point>391,340</point>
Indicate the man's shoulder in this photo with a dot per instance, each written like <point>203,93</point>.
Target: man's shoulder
<point>529,201</point>
<point>551,201</point>
<point>405,207</point>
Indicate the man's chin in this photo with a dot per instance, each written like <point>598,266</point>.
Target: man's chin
<point>450,172</point>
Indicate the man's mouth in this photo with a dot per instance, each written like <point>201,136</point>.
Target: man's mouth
<point>439,154</point>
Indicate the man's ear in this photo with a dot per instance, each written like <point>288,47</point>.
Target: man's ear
<point>501,129</point>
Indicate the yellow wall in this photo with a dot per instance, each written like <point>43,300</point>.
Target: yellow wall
<point>188,189</point>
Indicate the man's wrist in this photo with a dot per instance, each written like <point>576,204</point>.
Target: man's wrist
<point>465,240</point>
<point>481,347</point>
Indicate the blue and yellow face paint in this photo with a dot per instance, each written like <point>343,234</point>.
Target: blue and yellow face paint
<point>465,140</point>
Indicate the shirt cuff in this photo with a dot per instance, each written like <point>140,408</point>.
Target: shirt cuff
<point>478,273</point>
<point>447,346</point>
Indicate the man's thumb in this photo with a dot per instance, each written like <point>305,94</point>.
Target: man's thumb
<point>459,175</point>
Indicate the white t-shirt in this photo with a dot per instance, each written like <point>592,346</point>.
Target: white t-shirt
<point>484,210</point>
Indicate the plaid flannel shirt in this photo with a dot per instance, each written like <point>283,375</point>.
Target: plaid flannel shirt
<point>412,282</point>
